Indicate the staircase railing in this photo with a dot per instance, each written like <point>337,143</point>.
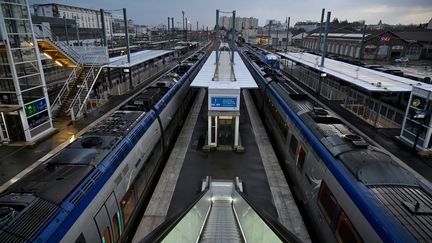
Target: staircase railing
<point>43,32</point>
<point>78,103</point>
<point>66,87</point>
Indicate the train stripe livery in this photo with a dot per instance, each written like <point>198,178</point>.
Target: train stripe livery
<point>90,190</point>
<point>352,191</point>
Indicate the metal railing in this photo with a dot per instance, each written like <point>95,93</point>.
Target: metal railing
<point>66,87</point>
<point>43,32</point>
<point>78,103</point>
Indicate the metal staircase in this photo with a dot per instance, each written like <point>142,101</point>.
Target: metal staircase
<point>78,105</point>
<point>87,63</point>
<point>50,45</point>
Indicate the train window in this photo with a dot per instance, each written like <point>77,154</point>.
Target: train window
<point>106,238</point>
<point>327,202</point>
<point>116,226</point>
<point>345,231</point>
<point>301,156</point>
<point>293,145</point>
<point>127,205</point>
<point>80,239</point>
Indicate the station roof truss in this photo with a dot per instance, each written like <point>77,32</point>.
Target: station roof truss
<point>365,78</point>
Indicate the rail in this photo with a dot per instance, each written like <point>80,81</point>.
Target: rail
<point>66,87</point>
<point>78,101</point>
<point>43,32</point>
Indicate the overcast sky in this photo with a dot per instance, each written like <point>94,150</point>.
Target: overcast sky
<point>154,12</point>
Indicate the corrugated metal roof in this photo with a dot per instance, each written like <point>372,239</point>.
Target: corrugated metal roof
<point>365,78</point>
<point>242,75</point>
<point>136,58</point>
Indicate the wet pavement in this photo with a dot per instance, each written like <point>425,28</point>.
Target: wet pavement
<point>14,159</point>
<point>248,166</point>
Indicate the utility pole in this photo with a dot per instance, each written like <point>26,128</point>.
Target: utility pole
<point>269,32</point>
<point>102,14</point>
<point>325,38</point>
<point>360,57</point>
<point>173,32</point>
<point>196,34</point>
<point>127,36</point>
<point>287,39</point>
<point>77,30</point>
<point>66,30</point>
<point>233,36</point>
<point>318,48</point>
<point>184,24</point>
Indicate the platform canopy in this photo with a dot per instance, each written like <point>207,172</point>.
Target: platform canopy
<point>206,77</point>
<point>136,58</point>
<point>368,79</point>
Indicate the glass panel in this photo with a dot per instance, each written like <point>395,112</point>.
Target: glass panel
<point>29,82</point>
<point>301,156</point>
<point>115,223</point>
<point>127,205</point>
<point>25,69</point>
<point>293,145</point>
<point>24,55</point>
<point>5,71</point>
<point>18,26</point>
<point>38,119</point>
<point>106,238</point>
<point>15,11</point>
<point>32,94</point>
<point>7,85</point>
<point>345,231</point>
<point>20,40</point>
<point>327,202</point>
<point>8,99</point>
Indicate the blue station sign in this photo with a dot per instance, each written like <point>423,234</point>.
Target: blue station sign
<point>230,102</point>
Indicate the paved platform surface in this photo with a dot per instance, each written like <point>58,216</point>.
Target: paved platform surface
<point>258,168</point>
<point>158,206</point>
<point>15,160</point>
<point>224,165</point>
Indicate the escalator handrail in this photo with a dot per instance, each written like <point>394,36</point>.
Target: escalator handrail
<point>281,231</point>
<point>158,234</point>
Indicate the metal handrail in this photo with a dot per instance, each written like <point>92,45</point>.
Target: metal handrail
<point>158,234</point>
<point>277,228</point>
<point>85,86</point>
<point>83,103</point>
<point>57,101</point>
<point>47,34</point>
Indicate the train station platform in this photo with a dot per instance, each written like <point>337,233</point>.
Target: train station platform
<point>20,158</point>
<point>180,184</point>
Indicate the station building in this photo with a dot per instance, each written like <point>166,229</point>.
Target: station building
<point>24,106</point>
<point>375,46</point>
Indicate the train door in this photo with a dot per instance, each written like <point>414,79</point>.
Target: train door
<point>108,221</point>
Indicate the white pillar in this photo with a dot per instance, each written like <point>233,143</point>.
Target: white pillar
<point>236,134</point>
<point>209,130</point>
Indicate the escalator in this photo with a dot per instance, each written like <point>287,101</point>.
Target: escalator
<point>221,213</point>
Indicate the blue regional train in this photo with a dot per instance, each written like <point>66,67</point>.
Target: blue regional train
<point>91,190</point>
<point>351,190</point>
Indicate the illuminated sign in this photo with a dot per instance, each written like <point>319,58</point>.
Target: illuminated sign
<point>385,38</point>
<point>224,102</point>
<point>35,107</point>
